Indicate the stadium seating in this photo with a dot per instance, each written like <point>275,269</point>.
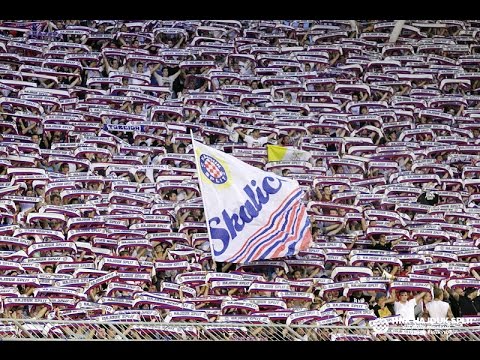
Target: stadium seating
<point>100,206</point>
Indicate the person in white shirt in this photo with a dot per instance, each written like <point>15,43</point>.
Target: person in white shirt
<point>404,307</point>
<point>166,80</point>
<point>255,140</point>
<point>115,66</point>
<point>247,68</point>
<point>140,69</point>
<point>230,126</point>
<point>439,309</point>
<point>93,69</point>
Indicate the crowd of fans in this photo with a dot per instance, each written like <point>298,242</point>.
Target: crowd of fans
<point>101,215</point>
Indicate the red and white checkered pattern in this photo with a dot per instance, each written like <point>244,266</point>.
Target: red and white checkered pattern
<point>212,169</point>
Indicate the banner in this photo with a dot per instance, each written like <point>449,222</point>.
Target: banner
<point>127,128</point>
<point>282,153</point>
<point>251,214</point>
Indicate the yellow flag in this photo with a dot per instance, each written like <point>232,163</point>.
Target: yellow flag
<point>282,153</point>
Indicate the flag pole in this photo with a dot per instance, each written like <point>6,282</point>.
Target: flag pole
<point>197,166</point>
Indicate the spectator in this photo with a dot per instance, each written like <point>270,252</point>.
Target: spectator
<point>405,307</point>
<point>382,243</point>
<point>254,140</point>
<point>381,308</point>
<point>437,308</point>
<point>428,198</point>
<point>467,304</point>
<point>421,309</point>
<point>360,297</point>
<point>166,79</point>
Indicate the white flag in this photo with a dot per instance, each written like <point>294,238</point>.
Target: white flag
<point>251,214</point>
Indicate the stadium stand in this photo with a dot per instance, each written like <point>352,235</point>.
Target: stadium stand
<point>101,214</point>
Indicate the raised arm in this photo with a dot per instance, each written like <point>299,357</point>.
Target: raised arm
<point>385,96</point>
<point>78,79</point>
<point>108,68</point>
<point>305,37</point>
<point>41,313</point>
<point>404,89</point>
<point>158,78</point>
<point>179,42</point>
<point>395,242</point>
<point>154,69</point>
<point>460,110</point>
<point>364,224</point>
<point>335,58</point>
<point>272,136</point>
<point>174,76</point>
<point>241,133</point>
<point>121,41</point>
<point>352,244</point>
<point>418,297</point>
<point>127,105</point>
<point>180,293</point>
<point>392,298</point>
<point>129,67</point>
<point>336,230</point>
<point>226,266</point>
<point>449,313</point>
<point>475,274</point>
<point>27,129</point>
<point>181,218</point>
